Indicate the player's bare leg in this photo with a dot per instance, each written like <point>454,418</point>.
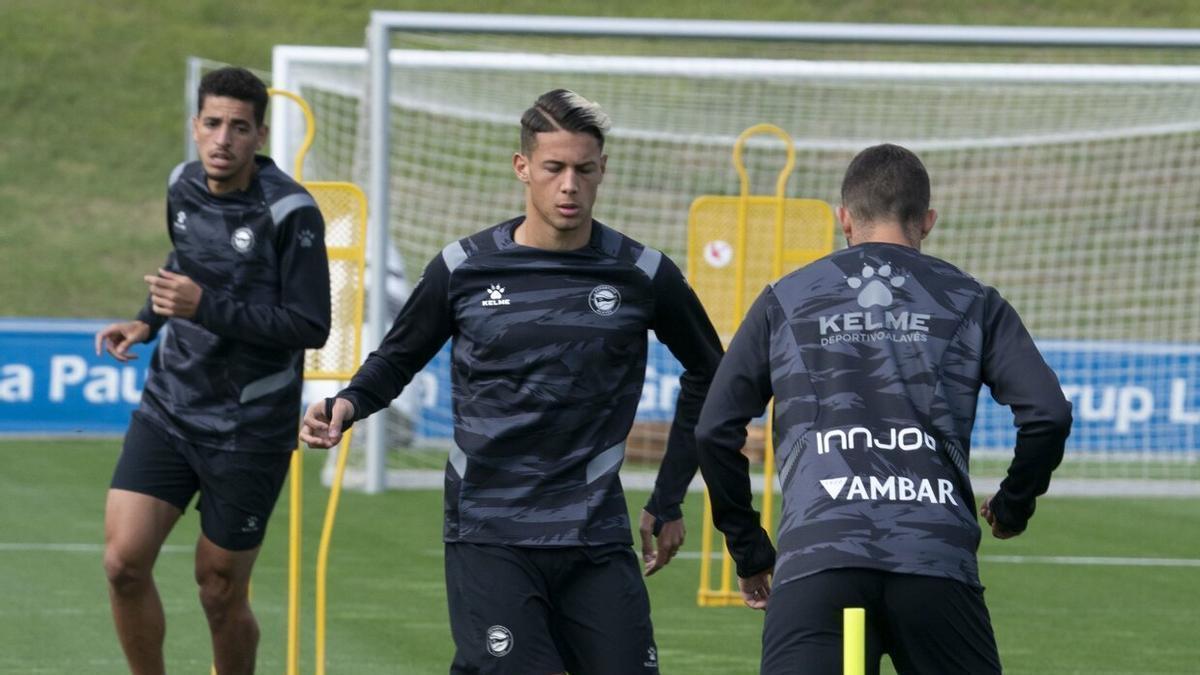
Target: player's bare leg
<point>224,579</point>
<point>135,527</point>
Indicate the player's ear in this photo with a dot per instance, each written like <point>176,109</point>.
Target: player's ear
<point>263,132</point>
<point>843,216</point>
<point>927,223</point>
<point>603,164</point>
<point>521,167</point>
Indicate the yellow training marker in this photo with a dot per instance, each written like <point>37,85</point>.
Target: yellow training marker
<point>854,641</point>
<point>344,209</point>
<point>736,246</point>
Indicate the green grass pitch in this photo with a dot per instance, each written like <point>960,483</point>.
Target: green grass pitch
<point>386,600</point>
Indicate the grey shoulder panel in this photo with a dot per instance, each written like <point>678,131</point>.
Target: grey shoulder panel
<point>649,261</point>
<point>454,255</point>
<point>281,209</point>
<point>176,173</point>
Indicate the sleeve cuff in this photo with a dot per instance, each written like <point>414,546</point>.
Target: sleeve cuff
<point>760,559</point>
<point>662,514</point>
<point>1013,518</point>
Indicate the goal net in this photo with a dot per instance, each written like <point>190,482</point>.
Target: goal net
<point>1071,188</point>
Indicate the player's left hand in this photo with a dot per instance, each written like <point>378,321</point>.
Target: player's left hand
<point>998,530</point>
<point>173,294</point>
<point>670,539</point>
<point>756,590</point>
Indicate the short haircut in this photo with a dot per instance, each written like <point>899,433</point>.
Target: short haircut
<point>562,109</point>
<point>886,182</point>
<point>239,83</point>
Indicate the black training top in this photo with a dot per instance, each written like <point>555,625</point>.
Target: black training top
<point>548,362</point>
<point>230,378</point>
<point>875,356</point>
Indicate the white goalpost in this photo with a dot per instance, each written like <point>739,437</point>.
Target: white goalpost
<point>1071,187</point>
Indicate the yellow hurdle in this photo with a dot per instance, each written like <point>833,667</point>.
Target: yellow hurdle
<point>737,245</point>
<point>344,208</point>
<point>854,641</point>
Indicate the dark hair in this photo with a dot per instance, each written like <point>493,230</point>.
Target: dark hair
<point>887,182</point>
<point>562,109</point>
<point>236,83</point>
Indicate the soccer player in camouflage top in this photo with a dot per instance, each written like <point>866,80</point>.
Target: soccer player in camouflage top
<point>244,292</point>
<point>875,356</point>
<point>548,314</point>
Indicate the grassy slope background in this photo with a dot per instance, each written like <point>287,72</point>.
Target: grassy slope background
<point>91,101</point>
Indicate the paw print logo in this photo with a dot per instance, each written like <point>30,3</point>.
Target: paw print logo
<point>874,283</point>
<point>306,238</point>
<point>495,291</point>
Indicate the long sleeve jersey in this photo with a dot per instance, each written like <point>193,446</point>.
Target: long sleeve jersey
<point>230,377</point>
<point>875,356</point>
<point>548,359</point>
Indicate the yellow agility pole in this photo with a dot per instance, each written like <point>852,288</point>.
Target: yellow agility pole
<point>743,243</point>
<point>296,470</point>
<point>854,641</point>
<point>344,209</point>
<point>335,492</point>
<point>776,272</point>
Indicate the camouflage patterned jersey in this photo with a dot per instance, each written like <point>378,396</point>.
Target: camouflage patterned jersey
<point>548,361</point>
<point>230,377</point>
<point>875,356</point>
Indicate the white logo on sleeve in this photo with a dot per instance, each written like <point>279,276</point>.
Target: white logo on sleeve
<point>651,657</point>
<point>875,292</point>
<point>495,298</point>
<point>604,300</point>
<point>180,224</point>
<point>499,640</point>
<point>306,238</point>
<point>242,239</point>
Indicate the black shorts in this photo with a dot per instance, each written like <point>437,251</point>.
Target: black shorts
<point>534,611</point>
<point>925,624</point>
<point>237,489</point>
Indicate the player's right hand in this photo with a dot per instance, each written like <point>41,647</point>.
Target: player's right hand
<point>989,515</point>
<point>322,428</point>
<point>117,338</point>
<point>669,539</point>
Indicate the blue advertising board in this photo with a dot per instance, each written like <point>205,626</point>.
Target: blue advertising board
<point>52,381</point>
<point>1127,396</point>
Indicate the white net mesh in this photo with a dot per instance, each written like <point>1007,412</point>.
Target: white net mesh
<point>1073,191</point>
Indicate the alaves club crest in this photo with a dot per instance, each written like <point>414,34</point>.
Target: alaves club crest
<point>604,300</point>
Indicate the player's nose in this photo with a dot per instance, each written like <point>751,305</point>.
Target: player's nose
<point>570,182</point>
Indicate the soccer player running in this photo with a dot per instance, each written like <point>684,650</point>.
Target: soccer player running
<point>244,291</point>
<point>875,356</point>
<point>548,315</point>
